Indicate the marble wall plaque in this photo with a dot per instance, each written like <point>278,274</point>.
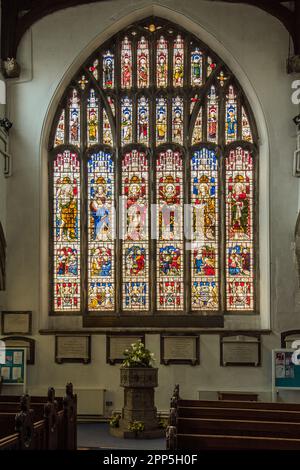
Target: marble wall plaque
<point>16,323</point>
<point>69,348</point>
<point>240,351</point>
<point>116,345</point>
<point>180,349</point>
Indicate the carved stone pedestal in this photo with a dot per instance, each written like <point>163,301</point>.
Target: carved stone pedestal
<point>139,404</point>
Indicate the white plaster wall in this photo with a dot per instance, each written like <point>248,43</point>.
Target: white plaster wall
<point>255,46</point>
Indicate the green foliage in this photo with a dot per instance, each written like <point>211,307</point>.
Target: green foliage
<point>114,420</point>
<point>136,426</point>
<point>137,356</point>
<point>162,422</point>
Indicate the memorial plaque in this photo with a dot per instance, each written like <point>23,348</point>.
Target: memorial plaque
<point>70,348</point>
<point>116,345</point>
<point>14,323</point>
<point>240,350</point>
<point>179,349</point>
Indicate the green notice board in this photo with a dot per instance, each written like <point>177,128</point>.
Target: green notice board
<point>286,375</point>
<point>13,371</point>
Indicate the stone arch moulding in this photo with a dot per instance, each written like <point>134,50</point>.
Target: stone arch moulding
<point>212,42</point>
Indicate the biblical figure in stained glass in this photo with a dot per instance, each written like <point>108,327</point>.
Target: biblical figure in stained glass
<point>100,212</point>
<point>136,208</point>
<point>101,261</point>
<point>162,63</point>
<point>67,261</point>
<point>239,203</point>
<point>204,209</point>
<point>239,260</point>
<point>170,260</point>
<point>196,67</point>
<point>67,208</point>
<point>126,121</point>
<point>205,261</point>
<point>135,258</point>
<point>108,70</point>
<point>169,191</point>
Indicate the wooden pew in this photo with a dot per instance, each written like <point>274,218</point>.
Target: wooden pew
<point>224,442</point>
<point>56,418</point>
<point>31,433</point>
<point>232,425</point>
<point>239,414</point>
<point>253,405</point>
<point>237,427</point>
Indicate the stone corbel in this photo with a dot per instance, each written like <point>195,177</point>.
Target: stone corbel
<point>11,68</point>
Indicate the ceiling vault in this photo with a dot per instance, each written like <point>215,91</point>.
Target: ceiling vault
<point>19,15</point>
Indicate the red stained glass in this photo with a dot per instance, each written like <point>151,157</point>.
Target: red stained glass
<point>170,264</point>
<point>66,231</point>
<point>135,247</point>
<point>162,62</point>
<point>143,63</point>
<point>126,63</point>
<point>239,229</point>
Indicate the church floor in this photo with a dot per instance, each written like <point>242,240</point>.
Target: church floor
<point>96,436</point>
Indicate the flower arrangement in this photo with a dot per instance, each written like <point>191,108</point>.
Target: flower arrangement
<point>137,356</point>
<point>114,420</point>
<point>162,422</point>
<point>136,426</point>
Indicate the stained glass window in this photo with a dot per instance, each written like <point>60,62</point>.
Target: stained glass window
<point>178,61</point>
<point>66,232</point>
<point>101,283</point>
<point>212,115</point>
<point>170,257</point>
<point>109,70</point>
<point>154,211</point>
<point>107,131</point>
<point>204,252</point>
<point>60,130</point>
<point>211,65</point>
<point>231,116</point>
<point>162,62</point>
<point>74,119</point>
<point>143,63</point>
<point>197,132</point>
<point>196,67</point>
<point>126,121</point>
<point>126,64</point>
<point>246,129</point>
<point>92,118</point>
<point>94,68</point>
<point>161,120</point>
<point>177,120</point>
<point>239,229</point>
<point>143,120</point>
<point>135,249</point>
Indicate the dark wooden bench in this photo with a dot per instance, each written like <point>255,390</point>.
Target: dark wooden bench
<point>239,413</point>
<point>224,442</point>
<point>239,404</point>
<point>43,422</point>
<point>238,427</point>
<point>196,424</point>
